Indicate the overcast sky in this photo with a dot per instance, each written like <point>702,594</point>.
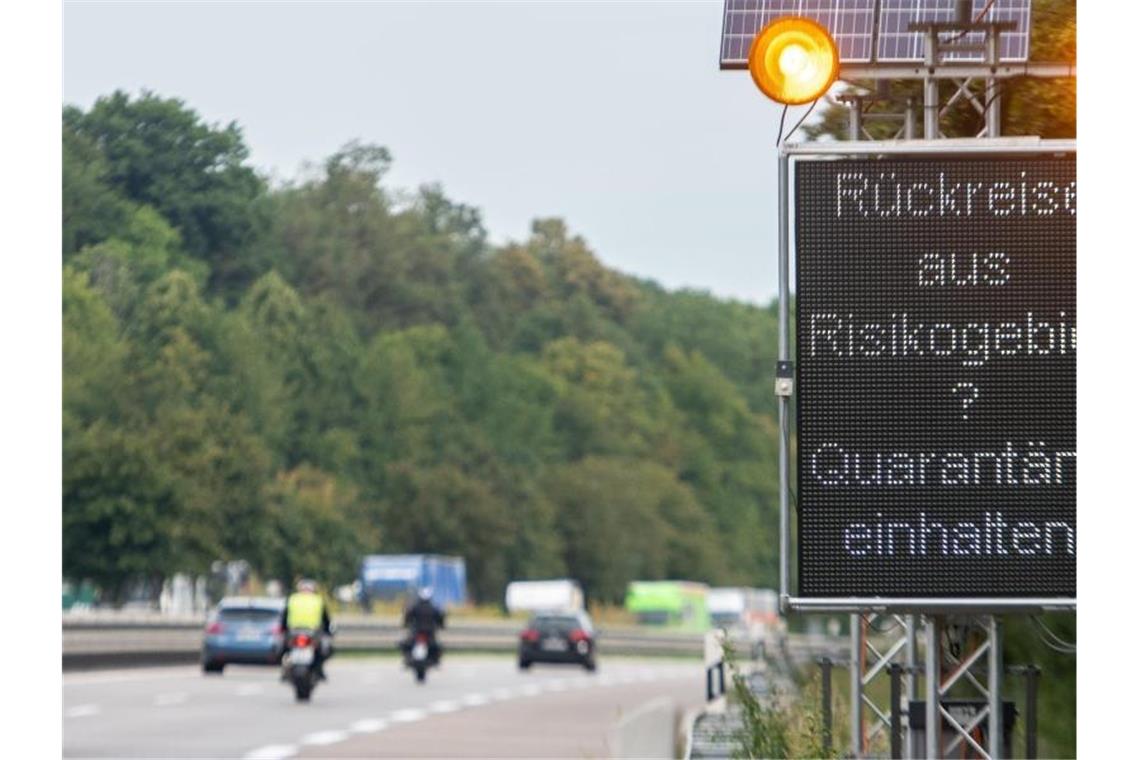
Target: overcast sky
<point>611,115</point>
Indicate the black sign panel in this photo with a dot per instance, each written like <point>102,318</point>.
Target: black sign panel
<point>936,376</point>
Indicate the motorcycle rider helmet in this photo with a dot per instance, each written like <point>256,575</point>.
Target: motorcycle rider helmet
<point>307,584</point>
<point>425,593</point>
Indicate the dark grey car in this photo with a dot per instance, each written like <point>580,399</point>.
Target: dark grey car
<point>559,637</point>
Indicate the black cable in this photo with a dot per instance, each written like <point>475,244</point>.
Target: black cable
<point>981,15</point>
<point>780,134</point>
<point>1057,639</point>
<point>801,121</point>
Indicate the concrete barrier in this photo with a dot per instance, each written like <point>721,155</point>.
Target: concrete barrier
<point>102,640</point>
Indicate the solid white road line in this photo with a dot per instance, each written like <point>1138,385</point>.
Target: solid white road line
<point>368,726</point>
<point>272,752</point>
<point>501,693</point>
<point>475,700</point>
<point>249,690</point>
<point>321,738</point>
<point>81,711</point>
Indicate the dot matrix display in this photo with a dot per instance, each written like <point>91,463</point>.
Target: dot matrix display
<point>936,340</point>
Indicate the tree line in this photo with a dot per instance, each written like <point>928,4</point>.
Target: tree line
<point>302,373</point>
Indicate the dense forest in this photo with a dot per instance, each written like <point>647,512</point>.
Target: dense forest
<point>297,375</point>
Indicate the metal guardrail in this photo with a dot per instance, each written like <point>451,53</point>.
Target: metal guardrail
<point>95,640</point>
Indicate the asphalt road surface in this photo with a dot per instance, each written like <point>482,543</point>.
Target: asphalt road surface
<point>473,706</point>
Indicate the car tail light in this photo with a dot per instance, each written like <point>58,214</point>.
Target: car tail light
<point>530,634</point>
<point>577,635</point>
<point>421,638</point>
<point>214,627</point>
<point>277,629</point>
<point>302,640</point>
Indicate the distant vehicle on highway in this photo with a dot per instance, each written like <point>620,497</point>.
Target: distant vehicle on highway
<point>749,616</point>
<point>674,604</point>
<point>540,596</point>
<point>243,630</point>
<point>559,637</point>
<point>398,577</point>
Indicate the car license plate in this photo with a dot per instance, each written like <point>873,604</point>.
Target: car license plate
<point>248,634</point>
<point>301,656</point>
<point>554,645</point>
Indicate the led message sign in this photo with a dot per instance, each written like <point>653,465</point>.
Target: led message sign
<point>936,346</point>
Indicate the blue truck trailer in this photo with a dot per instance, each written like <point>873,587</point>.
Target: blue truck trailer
<point>396,577</point>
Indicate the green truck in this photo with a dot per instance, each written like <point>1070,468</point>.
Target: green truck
<point>681,605</point>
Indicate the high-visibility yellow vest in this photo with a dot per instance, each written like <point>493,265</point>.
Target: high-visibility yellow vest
<point>304,610</point>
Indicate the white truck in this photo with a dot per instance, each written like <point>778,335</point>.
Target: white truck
<point>750,616</point>
<point>558,595</point>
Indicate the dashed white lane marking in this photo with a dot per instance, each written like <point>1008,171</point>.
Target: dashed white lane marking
<point>142,674</point>
<point>408,716</point>
<point>530,690</point>
<point>81,711</point>
<point>272,752</point>
<point>557,685</point>
<point>501,693</point>
<point>368,726</point>
<point>443,706</point>
<point>170,699</point>
<point>321,738</point>
<point>249,690</point>
<point>475,700</point>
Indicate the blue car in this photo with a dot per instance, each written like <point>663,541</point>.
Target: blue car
<point>244,630</point>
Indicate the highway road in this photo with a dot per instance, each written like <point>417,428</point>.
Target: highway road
<point>474,706</point>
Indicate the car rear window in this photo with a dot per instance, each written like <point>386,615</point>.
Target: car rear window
<point>248,615</point>
<point>556,623</point>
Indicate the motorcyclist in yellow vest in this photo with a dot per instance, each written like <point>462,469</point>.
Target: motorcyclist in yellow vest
<point>306,609</point>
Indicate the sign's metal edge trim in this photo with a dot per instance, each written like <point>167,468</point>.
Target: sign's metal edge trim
<point>928,604</point>
<point>960,147</point>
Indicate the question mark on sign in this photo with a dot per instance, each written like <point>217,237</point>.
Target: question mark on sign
<point>969,393</point>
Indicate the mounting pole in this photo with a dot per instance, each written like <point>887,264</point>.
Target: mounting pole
<point>909,126</point>
<point>855,119</point>
<point>911,680</point>
<point>933,687</point>
<point>783,349</point>
<point>930,102</point>
<point>993,86</point>
<point>857,641</point>
<point>994,687</point>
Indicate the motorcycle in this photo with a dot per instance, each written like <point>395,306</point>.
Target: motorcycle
<point>299,663</point>
<point>420,654</point>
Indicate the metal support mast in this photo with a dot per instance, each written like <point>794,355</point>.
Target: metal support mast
<point>884,650</point>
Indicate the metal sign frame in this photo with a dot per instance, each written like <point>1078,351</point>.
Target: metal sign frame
<point>788,154</point>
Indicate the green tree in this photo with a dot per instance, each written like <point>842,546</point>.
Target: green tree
<point>159,152</point>
<point>442,510</point>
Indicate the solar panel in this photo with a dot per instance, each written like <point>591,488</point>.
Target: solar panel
<point>897,43</point>
<point>850,23</point>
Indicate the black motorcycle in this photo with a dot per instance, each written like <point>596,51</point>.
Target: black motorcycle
<point>300,662</point>
<point>420,653</point>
